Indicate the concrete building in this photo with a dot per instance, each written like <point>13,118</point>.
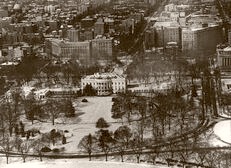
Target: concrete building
<point>105,83</point>
<point>224,64</point>
<point>87,22</point>
<point>71,50</point>
<point>73,35</point>
<point>99,27</point>
<point>102,48</point>
<point>167,32</point>
<point>3,13</point>
<point>128,25</point>
<point>229,37</point>
<point>86,34</point>
<point>149,38</point>
<point>5,22</point>
<point>224,57</point>
<point>201,40</point>
<point>170,7</point>
<point>109,25</point>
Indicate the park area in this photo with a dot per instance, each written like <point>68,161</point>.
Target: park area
<point>84,122</point>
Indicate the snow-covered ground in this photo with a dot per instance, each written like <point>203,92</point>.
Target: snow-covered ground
<point>87,115</point>
<point>223,131</point>
<point>74,163</point>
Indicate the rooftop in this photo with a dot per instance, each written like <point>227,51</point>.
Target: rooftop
<point>104,76</point>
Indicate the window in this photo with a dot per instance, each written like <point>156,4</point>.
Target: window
<point>229,86</point>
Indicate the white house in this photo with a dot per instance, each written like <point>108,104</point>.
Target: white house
<point>105,83</point>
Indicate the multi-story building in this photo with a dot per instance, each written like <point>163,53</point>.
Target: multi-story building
<point>87,22</point>
<point>77,50</point>
<point>5,22</point>
<point>167,32</point>
<point>99,27</point>
<point>229,37</point>
<point>149,38</point>
<point>86,34</point>
<point>71,50</point>
<point>224,64</point>
<point>224,57</point>
<point>73,35</point>
<point>102,48</point>
<point>3,13</point>
<point>201,40</point>
<point>105,83</point>
<point>87,52</point>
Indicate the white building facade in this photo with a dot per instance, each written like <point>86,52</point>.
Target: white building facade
<point>105,83</point>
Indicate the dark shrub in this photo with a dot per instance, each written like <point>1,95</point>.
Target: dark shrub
<point>84,100</point>
<point>45,149</point>
<point>56,150</point>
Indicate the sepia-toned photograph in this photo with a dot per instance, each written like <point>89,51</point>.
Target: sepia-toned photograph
<point>115,83</point>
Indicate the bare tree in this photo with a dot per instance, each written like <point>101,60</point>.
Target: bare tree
<point>106,142</point>
<point>184,149</point>
<point>8,115</point>
<point>2,123</point>
<point>88,144</point>
<point>137,147</point>
<point>122,136</point>
<point>51,107</point>
<point>201,156</point>
<point>16,98</point>
<point>7,144</point>
<point>213,158</point>
<point>37,146</point>
<point>154,155</point>
<point>24,148</point>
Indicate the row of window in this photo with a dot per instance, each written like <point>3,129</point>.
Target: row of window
<point>226,61</point>
<point>115,83</point>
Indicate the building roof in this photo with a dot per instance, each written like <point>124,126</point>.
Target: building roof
<point>166,24</point>
<point>227,48</point>
<point>104,76</point>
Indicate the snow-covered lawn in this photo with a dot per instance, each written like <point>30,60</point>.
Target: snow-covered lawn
<point>84,123</point>
<point>223,132</point>
<point>74,163</point>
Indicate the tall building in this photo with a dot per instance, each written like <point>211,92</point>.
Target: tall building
<point>73,35</point>
<point>99,27</point>
<point>167,32</point>
<point>86,34</point>
<point>87,22</point>
<point>149,38</point>
<point>201,40</point>
<point>3,13</point>
<point>102,48</point>
<point>229,37</point>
